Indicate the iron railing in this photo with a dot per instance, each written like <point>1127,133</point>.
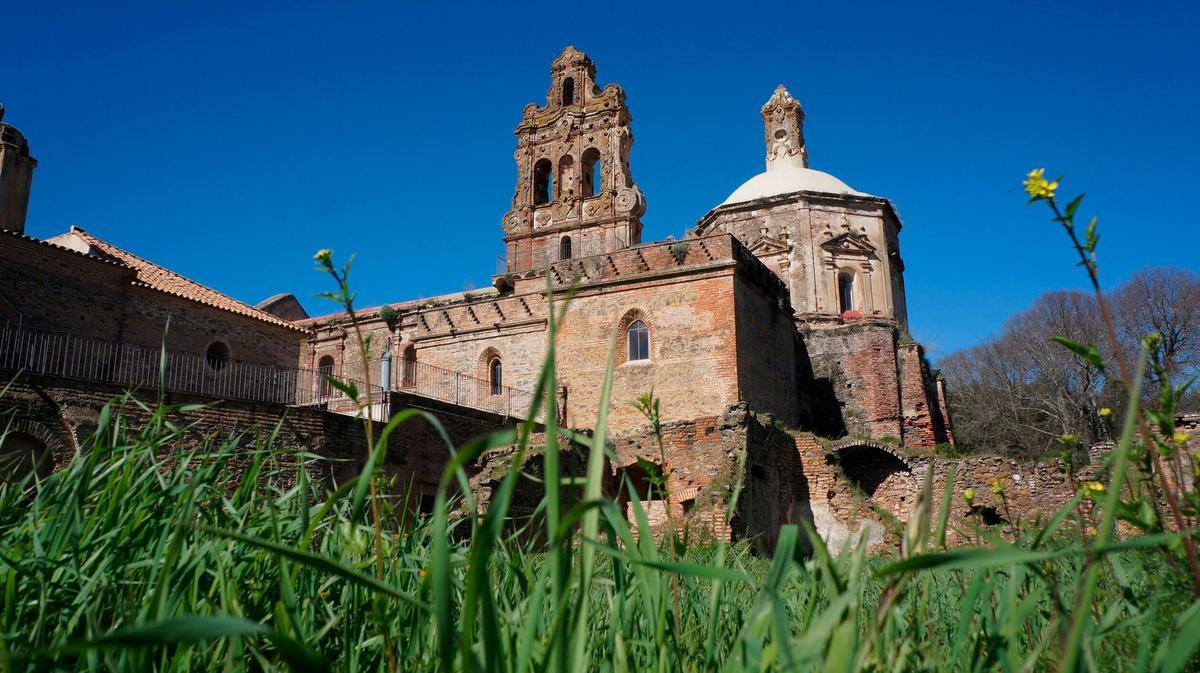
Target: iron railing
<point>426,380</point>
<point>72,356</point>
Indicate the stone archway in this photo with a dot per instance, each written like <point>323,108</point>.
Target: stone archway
<point>28,446</point>
<point>881,472</point>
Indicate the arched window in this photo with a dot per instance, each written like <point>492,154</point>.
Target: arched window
<point>408,367</point>
<point>542,179</point>
<point>639,341</point>
<point>217,356</point>
<point>496,376</point>
<point>568,91</point>
<point>565,170</point>
<point>845,291</point>
<point>592,172</point>
<point>564,248</point>
<point>324,371</point>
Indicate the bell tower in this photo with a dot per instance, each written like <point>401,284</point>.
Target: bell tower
<point>575,196</point>
<point>16,176</point>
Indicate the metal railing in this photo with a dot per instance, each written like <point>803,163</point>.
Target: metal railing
<point>72,356</point>
<point>426,380</point>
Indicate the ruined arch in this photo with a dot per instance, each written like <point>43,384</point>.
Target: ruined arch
<point>28,446</point>
<point>655,498</point>
<point>881,472</point>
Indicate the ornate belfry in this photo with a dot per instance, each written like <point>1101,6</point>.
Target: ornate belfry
<point>783,120</point>
<point>575,196</point>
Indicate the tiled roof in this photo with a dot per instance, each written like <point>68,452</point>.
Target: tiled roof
<point>158,278</point>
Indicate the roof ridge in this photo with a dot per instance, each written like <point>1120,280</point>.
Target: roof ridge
<point>239,307</point>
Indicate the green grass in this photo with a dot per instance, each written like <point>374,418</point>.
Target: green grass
<point>140,555</point>
<point>230,556</point>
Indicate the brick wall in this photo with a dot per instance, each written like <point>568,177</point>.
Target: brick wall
<point>858,362</point>
<point>63,414</point>
<point>49,288</point>
<point>711,309</point>
<point>922,410</point>
<point>766,353</point>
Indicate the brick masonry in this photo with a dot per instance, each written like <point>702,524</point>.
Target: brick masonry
<point>63,414</point>
<point>750,337</point>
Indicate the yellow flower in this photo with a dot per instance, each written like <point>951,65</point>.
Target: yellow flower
<point>969,495</point>
<point>324,256</point>
<point>1180,437</point>
<point>1096,487</point>
<point>421,572</point>
<point>1105,412</point>
<point>1068,439</point>
<point>1038,187</point>
<point>997,487</point>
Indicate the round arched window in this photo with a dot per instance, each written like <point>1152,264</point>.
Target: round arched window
<point>639,341</point>
<point>217,356</point>
<point>496,376</point>
<point>846,291</point>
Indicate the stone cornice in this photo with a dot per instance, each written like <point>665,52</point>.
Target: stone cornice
<point>792,197</point>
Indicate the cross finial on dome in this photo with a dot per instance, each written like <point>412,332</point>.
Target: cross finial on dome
<point>784,121</point>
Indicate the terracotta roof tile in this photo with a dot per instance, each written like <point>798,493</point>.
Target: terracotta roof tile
<point>153,276</point>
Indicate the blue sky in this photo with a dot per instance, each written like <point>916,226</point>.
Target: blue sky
<point>229,141</point>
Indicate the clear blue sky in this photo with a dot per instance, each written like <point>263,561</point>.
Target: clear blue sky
<point>229,141</point>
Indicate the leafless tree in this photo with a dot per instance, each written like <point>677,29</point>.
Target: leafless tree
<point>1019,392</point>
<point>1163,300</point>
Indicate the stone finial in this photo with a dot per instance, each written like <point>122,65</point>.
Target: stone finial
<point>1,112</point>
<point>784,121</point>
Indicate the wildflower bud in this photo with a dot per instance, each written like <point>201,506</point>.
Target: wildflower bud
<point>969,496</point>
<point>1105,412</point>
<point>997,487</point>
<point>1068,440</point>
<point>1095,488</point>
<point>1181,437</point>
<point>324,257</point>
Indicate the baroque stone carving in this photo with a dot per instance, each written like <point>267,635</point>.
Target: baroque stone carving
<point>582,132</point>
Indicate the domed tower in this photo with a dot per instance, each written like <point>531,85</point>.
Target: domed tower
<point>837,249</point>
<point>16,176</point>
<point>575,196</point>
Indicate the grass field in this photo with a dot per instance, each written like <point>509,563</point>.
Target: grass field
<point>136,556</point>
<point>140,556</point>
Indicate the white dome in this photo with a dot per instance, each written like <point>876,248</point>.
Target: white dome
<point>785,180</point>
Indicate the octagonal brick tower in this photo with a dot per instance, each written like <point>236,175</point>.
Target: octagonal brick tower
<point>574,196</point>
